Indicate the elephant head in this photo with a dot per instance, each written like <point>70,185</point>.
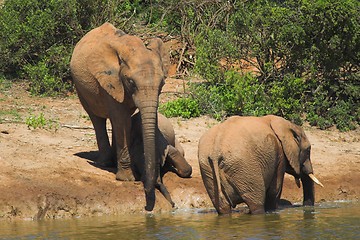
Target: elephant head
<point>115,73</point>
<point>296,147</point>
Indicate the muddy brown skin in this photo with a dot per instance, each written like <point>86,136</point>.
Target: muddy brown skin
<point>115,73</point>
<point>244,159</point>
<point>169,152</point>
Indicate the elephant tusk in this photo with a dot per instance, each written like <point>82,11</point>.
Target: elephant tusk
<point>312,176</point>
<point>297,181</point>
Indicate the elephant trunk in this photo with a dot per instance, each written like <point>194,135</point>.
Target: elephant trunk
<point>149,123</point>
<point>308,190</point>
<point>308,179</point>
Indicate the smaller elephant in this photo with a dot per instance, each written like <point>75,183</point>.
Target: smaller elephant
<point>244,159</point>
<point>168,149</point>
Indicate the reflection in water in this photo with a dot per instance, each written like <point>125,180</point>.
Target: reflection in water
<point>326,221</point>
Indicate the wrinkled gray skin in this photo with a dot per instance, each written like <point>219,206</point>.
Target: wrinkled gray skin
<point>115,73</point>
<point>244,159</point>
<point>168,150</point>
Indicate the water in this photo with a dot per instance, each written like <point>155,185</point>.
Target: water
<point>337,220</point>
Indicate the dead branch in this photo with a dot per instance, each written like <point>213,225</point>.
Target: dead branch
<point>75,127</point>
<point>181,56</point>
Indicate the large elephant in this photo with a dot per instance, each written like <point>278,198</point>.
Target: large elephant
<point>115,73</point>
<point>168,150</point>
<point>244,159</point>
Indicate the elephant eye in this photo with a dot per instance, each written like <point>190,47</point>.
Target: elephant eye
<point>162,83</point>
<point>131,85</point>
<point>131,82</point>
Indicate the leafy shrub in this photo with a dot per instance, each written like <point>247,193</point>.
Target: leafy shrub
<point>243,94</point>
<point>303,68</point>
<point>287,98</point>
<point>47,76</point>
<point>38,37</point>
<point>40,121</point>
<point>212,46</point>
<point>216,100</point>
<point>181,107</point>
<point>304,54</point>
<point>250,93</point>
<point>324,112</point>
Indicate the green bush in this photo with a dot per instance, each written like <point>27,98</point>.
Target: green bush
<point>243,94</point>
<point>38,37</point>
<point>324,111</point>
<point>306,54</point>
<point>249,92</point>
<point>50,75</point>
<point>216,100</point>
<point>287,98</point>
<point>40,121</point>
<point>181,107</point>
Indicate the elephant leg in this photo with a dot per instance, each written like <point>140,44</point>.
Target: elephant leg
<point>177,160</point>
<point>251,191</point>
<point>218,199</point>
<point>274,192</point>
<point>254,207</point>
<point>121,125</point>
<point>161,187</point>
<point>272,198</point>
<point>106,154</point>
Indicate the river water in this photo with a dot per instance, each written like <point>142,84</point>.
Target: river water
<point>335,220</point>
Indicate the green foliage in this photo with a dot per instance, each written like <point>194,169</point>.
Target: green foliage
<point>212,47</point>
<point>46,76</point>
<point>38,37</point>
<point>250,93</point>
<point>286,98</point>
<point>306,54</point>
<point>181,107</point>
<point>13,114</point>
<point>37,34</point>
<point>324,111</point>
<point>4,83</point>
<point>40,122</point>
<point>237,94</point>
<point>244,94</point>
<point>216,100</point>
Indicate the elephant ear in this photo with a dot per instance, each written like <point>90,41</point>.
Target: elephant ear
<point>110,81</point>
<point>105,65</point>
<point>289,136</point>
<point>157,45</point>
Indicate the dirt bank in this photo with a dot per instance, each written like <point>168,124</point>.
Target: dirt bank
<point>49,173</point>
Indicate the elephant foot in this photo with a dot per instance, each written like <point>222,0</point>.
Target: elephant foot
<point>125,175</point>
<point>256,209</point>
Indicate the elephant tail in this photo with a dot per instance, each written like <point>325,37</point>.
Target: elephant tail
<point>217,184</point>
<point>222,186</point>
